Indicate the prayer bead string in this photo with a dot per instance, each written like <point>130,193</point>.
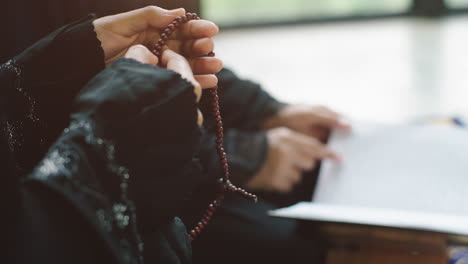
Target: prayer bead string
<point>224,184</point>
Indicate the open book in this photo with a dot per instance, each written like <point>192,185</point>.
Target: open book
<point>400,176</point>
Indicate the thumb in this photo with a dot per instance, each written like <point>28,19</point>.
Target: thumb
<point>160,18</point>
<point>323,152</point>
<point>331,120</point>
<point>139,20</point>
<point>141,54</point>
<point>175,62</point>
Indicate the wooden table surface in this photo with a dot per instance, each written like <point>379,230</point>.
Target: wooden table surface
<point>352,244</point>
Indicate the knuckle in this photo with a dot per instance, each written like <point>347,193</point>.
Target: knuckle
<point>311,165</point>
<point>283,132</point>
<point>198,90</point>
<point>288,187</point>
<point>151,9</point>
<point>275,185</point>
<point>307,165</point>
<point>219,65</point>
<point>138,47</point>
<point>320,107</point>
<point>281,151</point>
<point>314,141</point>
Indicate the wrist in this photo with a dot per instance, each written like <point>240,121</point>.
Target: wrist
<point>276,120</point>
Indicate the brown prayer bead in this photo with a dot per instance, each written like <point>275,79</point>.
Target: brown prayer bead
<point>224,184</point>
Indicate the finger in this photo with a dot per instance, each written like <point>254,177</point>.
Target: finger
<point>200,117</point>
<point>296,177</point>
<point>141,54</point>
<point>207,80</point>
<point>286,183</point>
<point>155,17</point>
<point>205,65</point>
<point>199,47</point>
<point>330,119</point>
<point>196,29</point>
<point>193,47</point>
<point>139,20</point>
<point>319,133</point>
<point>311,148</point>
<point>179,64</point>
<point>321,151</point>
<point>303,161</point>
<point>303,144</point>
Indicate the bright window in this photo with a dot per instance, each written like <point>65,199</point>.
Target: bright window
<point>457,3</point>
<point>229,12</point>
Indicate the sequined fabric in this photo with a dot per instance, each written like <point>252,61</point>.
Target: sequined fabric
<point>39,86</point>
<point>15,128</point>
<point>64,170</point>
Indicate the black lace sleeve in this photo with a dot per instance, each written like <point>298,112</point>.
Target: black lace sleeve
<point>149,114</point>
<point>39,86</point>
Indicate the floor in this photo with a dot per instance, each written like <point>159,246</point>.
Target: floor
<point>392,70</point>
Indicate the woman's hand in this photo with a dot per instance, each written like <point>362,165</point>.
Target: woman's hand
<point>289,154</point>
<point>143,26</point>
<point>171,61</point>
<point>313,121</point>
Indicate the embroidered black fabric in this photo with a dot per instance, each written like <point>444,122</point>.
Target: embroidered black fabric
<point>150,114</point>
<point>29,124</point>
<point>81,166</point>
<point>128,102</point>
<point>40,85</point>
<point>145,115</point>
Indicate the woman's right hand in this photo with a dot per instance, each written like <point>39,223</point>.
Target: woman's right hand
<point>144,26</point>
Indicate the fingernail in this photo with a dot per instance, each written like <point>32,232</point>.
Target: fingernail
<point>337,158</point>
<point>345,123</point>
<point>200,118</point>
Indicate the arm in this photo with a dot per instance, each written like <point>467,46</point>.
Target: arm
<point>49,75</point>
<point>115,151</point>
<point>36,83</point>
<point>288,141</point>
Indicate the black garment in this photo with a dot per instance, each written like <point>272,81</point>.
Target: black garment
<point>39,85</point>
<point>36,91</point>
<point>24,22</point>
<point>133,127</point>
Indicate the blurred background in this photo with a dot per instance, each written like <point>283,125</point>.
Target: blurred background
<point>377,60</point>
<point>387,60</point>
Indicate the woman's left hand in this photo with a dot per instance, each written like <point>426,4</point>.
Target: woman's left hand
<point>171,61</point>
<point>313,121</point>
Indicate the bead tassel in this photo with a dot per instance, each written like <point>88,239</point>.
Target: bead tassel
<point>224,184</point>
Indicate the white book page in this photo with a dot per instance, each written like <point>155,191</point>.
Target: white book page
<point>393,175</point>
<point>449,224</point>
<point>404,167</point>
